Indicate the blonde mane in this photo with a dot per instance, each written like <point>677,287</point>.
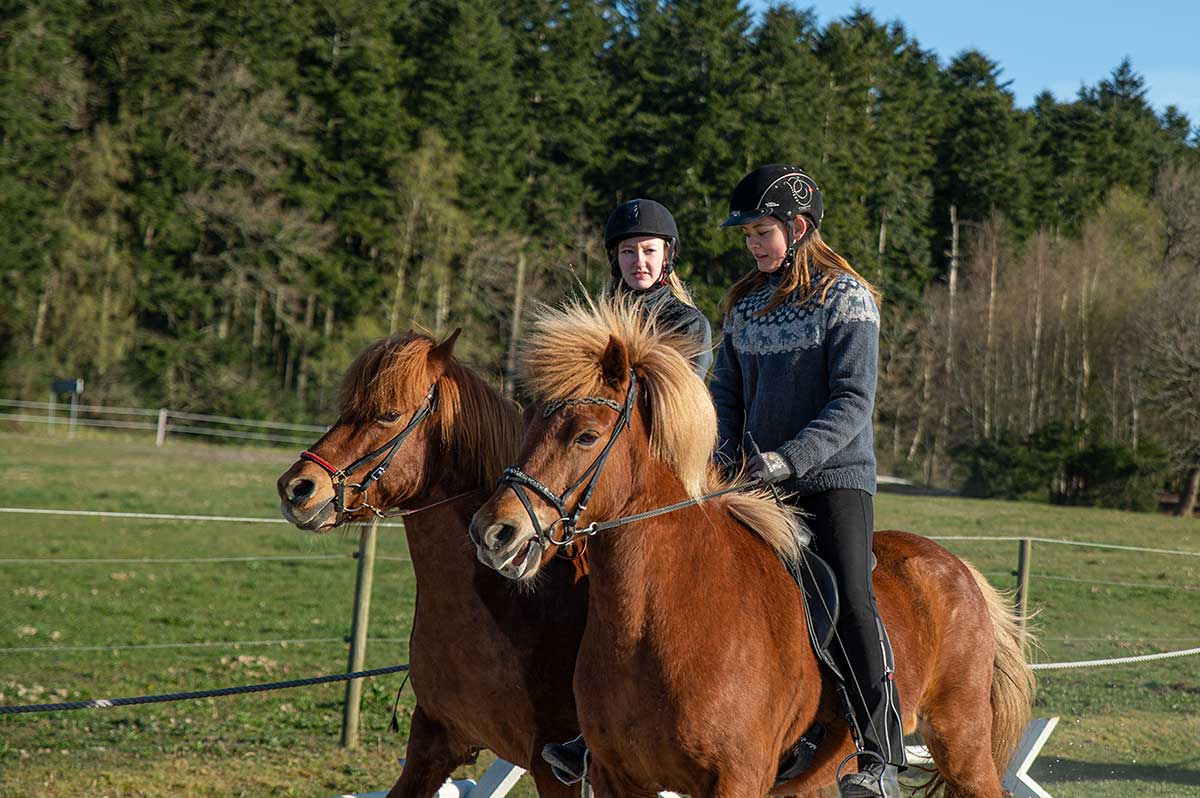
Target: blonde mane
<point>561,358</point>
<point>480,428</point>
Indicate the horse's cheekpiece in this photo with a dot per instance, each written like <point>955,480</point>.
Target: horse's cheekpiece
<point>341,476</point>
<point>518,480</point>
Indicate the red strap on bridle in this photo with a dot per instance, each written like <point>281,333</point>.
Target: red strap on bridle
<point>322,462</point>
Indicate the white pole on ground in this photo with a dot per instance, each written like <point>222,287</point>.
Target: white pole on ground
<point>160,433</point>
<point>1017,780</point>
<point>497,780</point>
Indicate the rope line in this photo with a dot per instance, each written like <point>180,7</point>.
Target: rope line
<point>108,703</point>
<point>1085,543</point>
<point>251,520</point>
<point>200,644</point>
<point>153,516</point>
<point>166,560</point>
<point>1094,663</point>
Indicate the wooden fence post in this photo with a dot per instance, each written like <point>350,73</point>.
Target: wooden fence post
<point>1024,556</point>
<point>358,632</point>
<point>160,433</point>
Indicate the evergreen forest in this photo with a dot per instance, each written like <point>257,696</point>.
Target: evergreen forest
<point>213,206</point>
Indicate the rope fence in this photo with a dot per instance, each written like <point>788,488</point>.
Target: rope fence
<point>131,701</point>
<point>157,516</point>
<point>108,703</point>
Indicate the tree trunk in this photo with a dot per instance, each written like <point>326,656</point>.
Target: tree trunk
<point>260,299</point>
<point>514,333</point>
<point>1085,362</point>
<point>948,357</point>
<point>1031,417</point>
<point>43,310</point>
<point>989,338</point>
<point>1191,492</point>
<point>926,390</point>
<point>310,314</point>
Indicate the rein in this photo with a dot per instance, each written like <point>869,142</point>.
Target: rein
<point>518,480</point>
<point>341,476</point>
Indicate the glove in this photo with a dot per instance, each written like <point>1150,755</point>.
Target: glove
<point>769,468</point>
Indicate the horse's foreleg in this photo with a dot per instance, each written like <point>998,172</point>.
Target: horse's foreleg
<point>431,757</point>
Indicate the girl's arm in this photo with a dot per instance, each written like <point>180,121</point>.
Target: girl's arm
<point>726,390</point>
<point>851,354</point>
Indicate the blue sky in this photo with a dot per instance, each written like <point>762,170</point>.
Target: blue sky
<point>1057,44</point>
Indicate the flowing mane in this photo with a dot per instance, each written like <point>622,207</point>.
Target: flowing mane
<point>477,423</point>
<point>562,360</point>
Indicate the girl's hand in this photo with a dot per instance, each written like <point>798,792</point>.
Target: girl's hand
<point>769,468</point>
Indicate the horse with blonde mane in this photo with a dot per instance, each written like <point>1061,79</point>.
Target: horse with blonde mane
<point>696,673</point>
<point>490,665</point>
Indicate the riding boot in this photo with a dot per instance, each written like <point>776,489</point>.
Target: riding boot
<point>568,761</point>
<point>876,780</point>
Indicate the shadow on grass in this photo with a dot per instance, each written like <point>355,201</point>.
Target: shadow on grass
<point>1051,769</point>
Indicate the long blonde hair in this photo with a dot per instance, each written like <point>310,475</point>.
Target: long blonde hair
<point>813,256</point>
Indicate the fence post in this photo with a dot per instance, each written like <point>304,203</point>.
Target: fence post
<point>50,415</point>
<point>1024,556</point>
<point>358,632</point>
<point>74,414</point>
<point>160,433</point>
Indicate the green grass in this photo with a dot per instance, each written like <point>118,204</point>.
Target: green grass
<point>1124,730</point>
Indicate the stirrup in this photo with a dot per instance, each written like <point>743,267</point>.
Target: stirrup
<point>568,761</point>
<point>873,782</point>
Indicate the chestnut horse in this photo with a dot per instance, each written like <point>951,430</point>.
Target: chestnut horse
<point>455,434</point>
<point>696,672</point>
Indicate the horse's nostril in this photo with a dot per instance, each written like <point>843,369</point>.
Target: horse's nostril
<point>504,535</point>
<point>300,489</point>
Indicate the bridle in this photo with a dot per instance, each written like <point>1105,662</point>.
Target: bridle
<point>518,480</point>
<point>341,476</point>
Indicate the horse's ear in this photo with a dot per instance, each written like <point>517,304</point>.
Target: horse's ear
<point>440,354</point>
<point>614,363</point>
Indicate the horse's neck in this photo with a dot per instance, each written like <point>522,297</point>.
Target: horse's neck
<point>635,568</point>
<point>441,552</point>
<point>655,577</point>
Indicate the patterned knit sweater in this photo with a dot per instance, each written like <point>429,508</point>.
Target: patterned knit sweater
<point>801,381</point>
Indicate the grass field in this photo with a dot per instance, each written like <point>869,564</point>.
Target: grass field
<point>1125,730</point>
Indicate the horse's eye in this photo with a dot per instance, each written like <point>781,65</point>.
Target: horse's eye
<point>388,417</point>
<point>587,438</point>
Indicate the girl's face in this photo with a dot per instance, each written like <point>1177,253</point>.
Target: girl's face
<point>641,260</point>
<point>767,241</point>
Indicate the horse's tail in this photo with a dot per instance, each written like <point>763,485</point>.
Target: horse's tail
<point>1013,684</point>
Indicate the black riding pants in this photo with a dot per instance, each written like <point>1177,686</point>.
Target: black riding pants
<point>842,522</point>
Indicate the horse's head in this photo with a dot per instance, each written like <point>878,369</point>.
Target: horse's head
<point>393,404</point>
<point>620,417</point>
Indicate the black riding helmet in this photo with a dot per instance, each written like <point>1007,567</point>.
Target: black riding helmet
<point>780,190</point>
<point>641,217</point>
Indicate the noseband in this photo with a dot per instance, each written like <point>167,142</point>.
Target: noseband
<point>341,476</point>
<point>518,480</point>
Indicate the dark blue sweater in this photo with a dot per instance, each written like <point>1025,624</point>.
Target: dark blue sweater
<point>801,380</point>
<point>684,318</point>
